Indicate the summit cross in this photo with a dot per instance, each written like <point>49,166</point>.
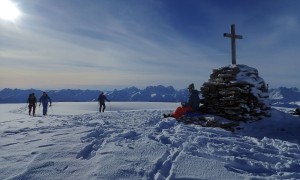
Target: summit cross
<point>233,36</point>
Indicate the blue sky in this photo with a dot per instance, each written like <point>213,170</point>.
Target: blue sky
<point>106,44</point>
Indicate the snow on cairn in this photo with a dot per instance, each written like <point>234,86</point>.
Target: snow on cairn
<point>236,92</point>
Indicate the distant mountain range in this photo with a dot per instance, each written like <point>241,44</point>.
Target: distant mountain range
<point>279,97</point>
<point>149,94</point>
<point>285,97</point>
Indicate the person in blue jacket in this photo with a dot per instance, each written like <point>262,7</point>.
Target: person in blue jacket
<point>45,99</point>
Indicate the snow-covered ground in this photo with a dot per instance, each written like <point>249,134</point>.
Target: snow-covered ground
<point>132,141</point>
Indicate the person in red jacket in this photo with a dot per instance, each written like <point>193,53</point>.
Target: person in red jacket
<point>191,106</point>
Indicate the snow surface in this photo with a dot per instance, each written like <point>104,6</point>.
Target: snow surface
<point>132,141</point>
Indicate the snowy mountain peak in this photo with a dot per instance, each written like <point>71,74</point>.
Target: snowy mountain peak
<point>285,94</point>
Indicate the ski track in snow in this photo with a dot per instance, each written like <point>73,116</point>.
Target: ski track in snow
<point>142,145</point>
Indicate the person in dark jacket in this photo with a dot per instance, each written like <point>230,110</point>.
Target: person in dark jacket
<point>191,106</point>
<point>45,99</point>
<point>31,104</point>
<point>101,99</point>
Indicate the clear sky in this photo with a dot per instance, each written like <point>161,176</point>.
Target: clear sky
<point>106,44</point>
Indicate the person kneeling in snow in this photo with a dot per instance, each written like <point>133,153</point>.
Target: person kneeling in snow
<point>191,106</point>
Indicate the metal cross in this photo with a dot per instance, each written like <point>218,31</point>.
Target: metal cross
<point>233,36</point>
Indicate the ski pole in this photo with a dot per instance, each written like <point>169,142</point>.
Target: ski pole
<point>52,109</point>
<point>38,110</point>
<point>25,109</point>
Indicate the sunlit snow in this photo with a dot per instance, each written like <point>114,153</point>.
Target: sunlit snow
<point>133,141</point>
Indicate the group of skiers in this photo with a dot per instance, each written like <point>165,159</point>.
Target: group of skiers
<point>191,106</point>
<point>45,99</point>
<point>32,103</point>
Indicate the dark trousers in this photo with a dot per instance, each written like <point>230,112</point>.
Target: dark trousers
<point>102,107</point>
<point>45,108</point>
<point>31,107</point>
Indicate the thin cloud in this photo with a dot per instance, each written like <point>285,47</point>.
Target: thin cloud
<point>144,42</point>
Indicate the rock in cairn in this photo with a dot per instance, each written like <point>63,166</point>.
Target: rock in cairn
<point>236,92</point>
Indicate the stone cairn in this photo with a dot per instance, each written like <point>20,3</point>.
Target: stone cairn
<point>236,92</point>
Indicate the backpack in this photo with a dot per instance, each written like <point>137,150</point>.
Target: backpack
<point>31,100</point>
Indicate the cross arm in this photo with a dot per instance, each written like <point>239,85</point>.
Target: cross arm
<point>227,35</point>
<point>235,36</point>
<point>238,37</point>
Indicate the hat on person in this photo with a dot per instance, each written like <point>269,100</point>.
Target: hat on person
<point>191,86</point>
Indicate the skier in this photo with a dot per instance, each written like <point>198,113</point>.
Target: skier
<point>101,99</point>
<point>190,106</point>
<point>45,99</point>
<point>31,104</point>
